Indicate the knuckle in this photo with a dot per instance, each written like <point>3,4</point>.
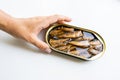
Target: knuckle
<point>30,39</point>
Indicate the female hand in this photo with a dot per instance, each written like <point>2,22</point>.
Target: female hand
<point>29,28</point>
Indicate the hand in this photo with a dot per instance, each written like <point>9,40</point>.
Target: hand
<point>29,28</point>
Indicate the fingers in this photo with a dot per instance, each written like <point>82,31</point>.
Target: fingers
<point>41,24</point>
<point>58,18</point>
<point>62,18</point>
<point>40,44</point>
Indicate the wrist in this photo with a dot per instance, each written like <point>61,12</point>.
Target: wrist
<point>5,20</point>
<point>7,23</point>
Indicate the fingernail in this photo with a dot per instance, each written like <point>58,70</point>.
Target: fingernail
<point>48,50</point>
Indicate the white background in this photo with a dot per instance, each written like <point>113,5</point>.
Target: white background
<point>22,61</point>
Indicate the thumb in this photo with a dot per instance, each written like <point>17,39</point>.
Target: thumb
<point>40,44</point>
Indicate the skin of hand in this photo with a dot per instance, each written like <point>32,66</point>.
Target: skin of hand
<point>29,28</point>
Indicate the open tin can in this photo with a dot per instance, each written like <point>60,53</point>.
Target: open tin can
<point>75,41</point>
